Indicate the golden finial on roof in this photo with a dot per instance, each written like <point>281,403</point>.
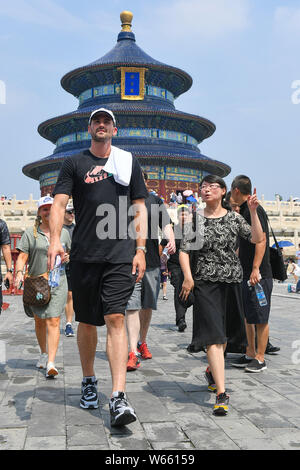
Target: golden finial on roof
<point>126,19</point>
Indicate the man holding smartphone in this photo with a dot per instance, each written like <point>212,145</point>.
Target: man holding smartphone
<point>5,247</point>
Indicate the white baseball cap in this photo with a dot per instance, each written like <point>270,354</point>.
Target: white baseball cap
<point>45,201</point>
<point>103,110</point>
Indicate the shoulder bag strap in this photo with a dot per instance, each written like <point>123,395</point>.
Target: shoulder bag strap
<point>46,274</point>
<point>276,243</point>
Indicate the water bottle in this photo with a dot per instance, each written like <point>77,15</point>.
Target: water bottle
<point>165,255</point>
<point>63,265</point>
<point>54,276</point>
<point>259,294</point>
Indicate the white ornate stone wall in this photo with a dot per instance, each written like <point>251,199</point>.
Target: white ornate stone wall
<point>18,214</point>
<point>284,217</point>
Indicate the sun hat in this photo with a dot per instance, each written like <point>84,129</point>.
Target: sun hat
<point>45,201</point>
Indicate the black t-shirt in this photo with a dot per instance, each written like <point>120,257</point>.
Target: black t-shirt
<point>247,250</point>
<point>157,217</point>
<point>4,239</point>
<point>101,205</point>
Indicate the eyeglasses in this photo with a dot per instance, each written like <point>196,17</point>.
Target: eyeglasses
<point>70,212</point>
<point>210,186</point>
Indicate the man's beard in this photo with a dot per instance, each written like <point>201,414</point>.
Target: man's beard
<point>96,138</point>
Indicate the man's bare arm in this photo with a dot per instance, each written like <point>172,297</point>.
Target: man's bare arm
<point>260,249</point>
<point>8,261</point>
<point>7,255</point>
<point>56,222</point>
<point>169,234</point>
<point>141,227</point>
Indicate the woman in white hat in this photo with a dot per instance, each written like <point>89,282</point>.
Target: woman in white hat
<point>33,248</point>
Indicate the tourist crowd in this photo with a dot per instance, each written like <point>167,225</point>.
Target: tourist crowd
<point>123,247</point>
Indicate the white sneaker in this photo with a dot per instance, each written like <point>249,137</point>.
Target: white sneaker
<point>42,362</point>
<point>51,371</point>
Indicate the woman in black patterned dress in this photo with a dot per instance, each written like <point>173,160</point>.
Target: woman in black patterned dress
<point>213,271</point>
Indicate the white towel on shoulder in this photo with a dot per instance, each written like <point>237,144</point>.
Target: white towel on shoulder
<point>119,164</point>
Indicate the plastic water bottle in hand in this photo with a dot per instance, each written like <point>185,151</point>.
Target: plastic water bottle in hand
<point>165,255</point>
<point>63,265</point>
<point>54,276</point>
<point>259,294</point>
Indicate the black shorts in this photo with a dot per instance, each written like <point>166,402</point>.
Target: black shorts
<point>68,277</point>
<point>100,289</point>
<point>254,313</point>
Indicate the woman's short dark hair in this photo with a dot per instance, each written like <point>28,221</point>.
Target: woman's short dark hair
<point>217,179</point>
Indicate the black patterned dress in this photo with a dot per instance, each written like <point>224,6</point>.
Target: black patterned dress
<point>218,315</point>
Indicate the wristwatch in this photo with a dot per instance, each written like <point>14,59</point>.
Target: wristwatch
<point>10,270</point>
<point>143,248</point>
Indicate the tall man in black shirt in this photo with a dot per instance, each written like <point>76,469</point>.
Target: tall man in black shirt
<point>105,260</point>
<point>255,260</point>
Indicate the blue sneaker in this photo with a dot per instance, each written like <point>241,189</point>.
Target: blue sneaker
<point>69,330</point>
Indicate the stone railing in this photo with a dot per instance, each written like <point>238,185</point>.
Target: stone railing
<point>284,217</point>
<point>18,214</point>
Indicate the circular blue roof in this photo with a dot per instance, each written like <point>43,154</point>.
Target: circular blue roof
<point>126,50</point>
<point>155,111</point>
<point>145,154</point>
<point>196,126</point>
<point>125,53</point>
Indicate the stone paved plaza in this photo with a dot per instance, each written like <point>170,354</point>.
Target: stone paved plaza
<point>169,392</point>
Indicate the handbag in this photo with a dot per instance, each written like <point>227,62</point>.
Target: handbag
<point>276,260</point>
<point>37,291</point>
<point>188,302</point>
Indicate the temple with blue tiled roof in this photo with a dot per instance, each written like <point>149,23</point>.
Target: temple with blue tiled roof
<point>141,92</point>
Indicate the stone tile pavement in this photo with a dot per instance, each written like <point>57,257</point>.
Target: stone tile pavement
<point>169,392</point>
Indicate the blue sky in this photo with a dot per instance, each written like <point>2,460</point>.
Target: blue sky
<point>243,56</point>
